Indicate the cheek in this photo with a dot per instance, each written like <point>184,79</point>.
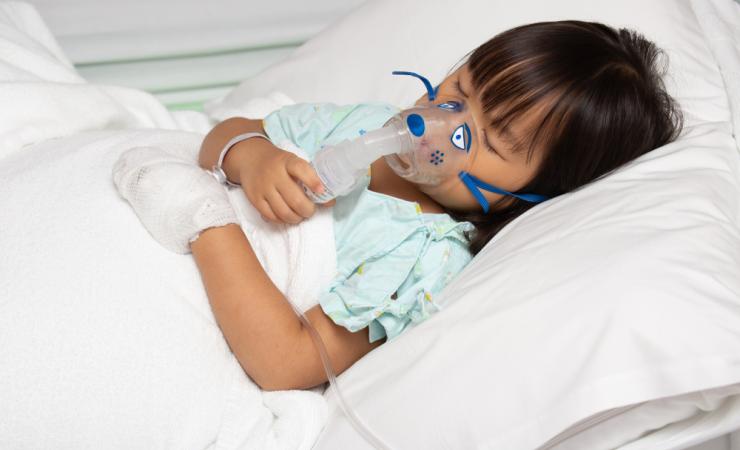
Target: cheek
<point>494,170</point>
<point>454,196</point>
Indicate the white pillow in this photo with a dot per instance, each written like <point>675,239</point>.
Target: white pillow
<point>616,294</point>
<point>674,422</point>
<point>622,292</point>
<point>720,21</point>
<point>352,60</point>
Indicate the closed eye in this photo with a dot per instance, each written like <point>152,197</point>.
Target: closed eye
<point>489,147</point>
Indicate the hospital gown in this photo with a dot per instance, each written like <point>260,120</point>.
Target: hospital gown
<point>393,260</point>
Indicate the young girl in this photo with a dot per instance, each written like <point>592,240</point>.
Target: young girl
<point>551,106</point>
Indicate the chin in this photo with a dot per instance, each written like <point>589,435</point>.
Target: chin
<point>443,197</point>
<point>442,200</point>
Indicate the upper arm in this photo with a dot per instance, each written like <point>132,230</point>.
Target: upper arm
<point>257,321</point>
<point>343,347</point>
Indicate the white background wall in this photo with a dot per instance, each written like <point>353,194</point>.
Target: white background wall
<point>183,51</point>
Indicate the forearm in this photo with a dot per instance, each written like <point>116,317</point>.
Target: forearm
<point>220,135</point>
<point>259,325</point>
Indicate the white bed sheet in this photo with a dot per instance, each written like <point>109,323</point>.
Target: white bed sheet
<point>108,339</point>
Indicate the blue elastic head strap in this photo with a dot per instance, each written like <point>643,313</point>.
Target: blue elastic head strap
<point>431,91</point>
<point>474,183</point>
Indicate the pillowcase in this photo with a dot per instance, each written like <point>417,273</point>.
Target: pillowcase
<point>671,422</point>
<point>619,293</point>
<point>720,21</point>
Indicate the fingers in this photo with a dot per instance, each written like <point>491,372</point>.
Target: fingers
<point>296,199</point>
<point>271,206</point>
<point>281,208</point>
<point>304,172</point>
<point>268,215</point>
<point>278,193</point>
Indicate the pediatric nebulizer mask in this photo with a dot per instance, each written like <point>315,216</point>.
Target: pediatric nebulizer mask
<point>428,145</point>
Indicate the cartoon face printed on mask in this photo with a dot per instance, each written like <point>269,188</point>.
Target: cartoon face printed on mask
<point>439,146</point>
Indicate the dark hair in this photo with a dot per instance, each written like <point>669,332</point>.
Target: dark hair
<point>606,105</point>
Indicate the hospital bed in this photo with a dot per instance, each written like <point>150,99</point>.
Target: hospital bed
<point>241,59</point>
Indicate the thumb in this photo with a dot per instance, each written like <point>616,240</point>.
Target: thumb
<point>329,203</point>
<point>304,172</point>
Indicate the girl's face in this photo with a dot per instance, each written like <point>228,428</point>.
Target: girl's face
<point>493,158</point>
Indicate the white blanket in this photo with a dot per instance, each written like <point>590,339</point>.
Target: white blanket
<point>108,340</point>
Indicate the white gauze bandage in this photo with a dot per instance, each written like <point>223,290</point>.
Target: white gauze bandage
<point>173,197</point>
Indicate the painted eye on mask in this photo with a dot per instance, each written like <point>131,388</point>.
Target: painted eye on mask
<point>450,105</point>
<point>461,137</point>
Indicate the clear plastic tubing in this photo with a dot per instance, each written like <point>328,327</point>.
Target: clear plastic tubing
<point>341,166</point>
<point>359,426</point>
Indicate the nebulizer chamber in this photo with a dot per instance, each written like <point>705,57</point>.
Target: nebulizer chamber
<point>424,144</point>
<point>341,166</point>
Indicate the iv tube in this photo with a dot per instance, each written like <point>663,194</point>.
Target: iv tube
<point>340,167</point>
<point>353,419</point>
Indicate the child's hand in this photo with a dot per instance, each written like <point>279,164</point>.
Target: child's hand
<point>269,177</point>
<point>173,197</point>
